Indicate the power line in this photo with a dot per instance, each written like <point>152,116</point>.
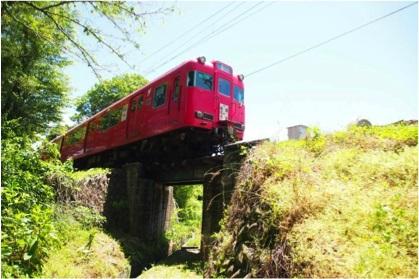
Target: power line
<point>329,40</point>
<point>186,32</point>
<point>214,33</point>
<point>188,42</point>
<point>199,32</point>
<point>221,30</point>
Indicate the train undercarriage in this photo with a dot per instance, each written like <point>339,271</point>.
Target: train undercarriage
<point>173,147</point>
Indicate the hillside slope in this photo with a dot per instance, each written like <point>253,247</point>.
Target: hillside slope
<point>330,206</point>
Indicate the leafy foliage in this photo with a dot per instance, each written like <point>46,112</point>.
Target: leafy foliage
<point>40,38</point>
<point>28,229</point>
<point>329,206</point>
<point>105,93</point>
<point>87,253</point>
<point>185,227</point>
<point>33,89</point>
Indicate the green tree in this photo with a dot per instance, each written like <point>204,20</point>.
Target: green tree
<point>40,38</point>
<point>105,93</point>
<point>32,88</point>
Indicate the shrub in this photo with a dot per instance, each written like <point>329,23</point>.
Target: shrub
<point>28,230</point>
<point>340,205</point>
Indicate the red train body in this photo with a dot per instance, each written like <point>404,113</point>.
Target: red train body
<point>186,112</point>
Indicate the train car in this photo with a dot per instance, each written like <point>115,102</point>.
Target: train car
<point>190,111</point>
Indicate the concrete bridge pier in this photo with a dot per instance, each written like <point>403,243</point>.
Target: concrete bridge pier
<point>219,185</point>
<point>150,204</point>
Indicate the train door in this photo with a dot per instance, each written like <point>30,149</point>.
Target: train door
<point>223,88</point>
<point>175,101</point>
<point>134,118</point>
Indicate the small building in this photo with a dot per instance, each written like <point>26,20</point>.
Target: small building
<point>297,132</point>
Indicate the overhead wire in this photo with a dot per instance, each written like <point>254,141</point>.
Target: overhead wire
<point>221,30</point>
<point>215,32</point>
<point>329,40</point>
<point>186,42</point>
<point>196,34</point>
<point>187,31</point>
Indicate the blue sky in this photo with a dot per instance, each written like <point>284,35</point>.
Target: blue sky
<point>371,73</point>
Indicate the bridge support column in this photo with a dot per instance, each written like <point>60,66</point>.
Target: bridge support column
<point>150,204</point>
<point>218,188</point>
<point>212,209</point>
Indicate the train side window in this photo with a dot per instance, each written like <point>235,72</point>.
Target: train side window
<point>176,90</point>
<point>124,112</point>
<point>133,105</point>
<point>159,96</point>
<point>191,78</point>
<point>75,136</point>
<point>110,119</point>
<point>140,102</point>
<point>224,86</point>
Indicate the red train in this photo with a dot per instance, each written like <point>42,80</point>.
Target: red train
<point>190,111</point>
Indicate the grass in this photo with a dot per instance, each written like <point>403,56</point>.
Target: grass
<point>340,205</point>
<point>90,253</point>
<point>82,174</point>
<point>170,271</point>
<point>86,250</point>
<point>181,264</point>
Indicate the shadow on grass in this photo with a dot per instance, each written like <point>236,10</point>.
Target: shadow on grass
<point>190,257</point>
<point>140,253</point>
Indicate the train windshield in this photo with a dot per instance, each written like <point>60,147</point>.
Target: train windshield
<point>238,94</point>
<point>200,79</point>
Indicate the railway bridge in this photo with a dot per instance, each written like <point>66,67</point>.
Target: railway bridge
<point>148,190</point>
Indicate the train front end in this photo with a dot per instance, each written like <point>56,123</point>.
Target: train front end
<point>216,98</point>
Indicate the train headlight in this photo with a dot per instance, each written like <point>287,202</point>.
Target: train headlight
<point>199,114</point>
<point>201,59</point>
<point>204,115</point>
<point>240,77</point>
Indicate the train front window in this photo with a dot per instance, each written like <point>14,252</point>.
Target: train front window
<point>200,79</point>
<point>238,94</point>
<point>224,86</point>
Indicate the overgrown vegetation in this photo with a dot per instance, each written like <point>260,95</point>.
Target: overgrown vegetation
<point>185,228</point>
<point>88,252</point>
<point>39,39</point>
<point>28,227</point>
<point>46,205</point>
<point>340,205</point>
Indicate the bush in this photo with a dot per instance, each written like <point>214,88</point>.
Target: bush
<point>340,205</point>
<point>28,230</point>
<point>41,202</point>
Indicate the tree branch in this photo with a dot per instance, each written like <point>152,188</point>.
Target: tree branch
<point>117,26</point>
<point>88,58</point>
<point>59,4</point>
